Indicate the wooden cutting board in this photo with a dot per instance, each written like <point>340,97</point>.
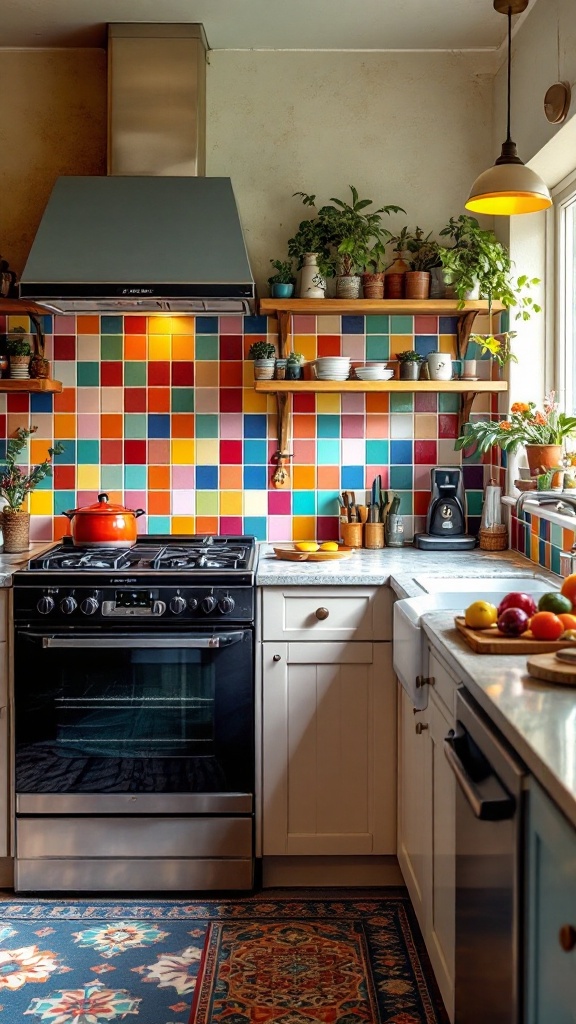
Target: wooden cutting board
<point>492,641</point>
<point>548,667</point>
<point>291,554</point>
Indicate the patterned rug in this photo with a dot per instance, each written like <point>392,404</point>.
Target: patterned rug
<point>277,957</point>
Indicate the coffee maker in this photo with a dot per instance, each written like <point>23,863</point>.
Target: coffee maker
<point>446,516</point>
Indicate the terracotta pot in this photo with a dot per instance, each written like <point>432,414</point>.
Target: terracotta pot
<point>543,456</point>
<point>373,286</point>
<point>104,525</point>
<point>417,284</point>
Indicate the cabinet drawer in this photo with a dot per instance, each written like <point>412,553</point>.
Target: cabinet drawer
<point>444,682</point>
<point>327,613</point>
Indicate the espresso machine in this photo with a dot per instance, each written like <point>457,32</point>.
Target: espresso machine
<point>446,516</point>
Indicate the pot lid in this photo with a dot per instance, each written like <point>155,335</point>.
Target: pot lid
<point>102,507</point>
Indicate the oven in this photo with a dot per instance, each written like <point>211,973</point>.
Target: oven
<point>134,731</point>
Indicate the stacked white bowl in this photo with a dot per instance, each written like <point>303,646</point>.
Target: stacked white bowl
<point>374,371</point>
<point>332,367</point>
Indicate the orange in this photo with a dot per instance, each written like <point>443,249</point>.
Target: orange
<point>546,626</point>
<point>568,588</point>
<point>568,620</point>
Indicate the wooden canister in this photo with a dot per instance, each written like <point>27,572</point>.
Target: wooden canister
<point>352,534</point>
<point>374,535</point>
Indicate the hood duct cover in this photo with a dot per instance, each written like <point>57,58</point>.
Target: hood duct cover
<point>142,244</point>
<point>152,235</point>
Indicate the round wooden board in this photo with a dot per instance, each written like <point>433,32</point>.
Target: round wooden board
<point>549,668</point>
<point>291,554</point>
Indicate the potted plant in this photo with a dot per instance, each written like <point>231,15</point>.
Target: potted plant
<point>540,432</point>
<point>348,232</point>
<point>309,250</point>
<point>373,271</point>
<point>283,281</point>
<point>264,355</point>
<point>394,277</point>
<point>19,346</point>
<point>16,485</point>
<point>424,254</point>
<point>294,365</point>
<point>410,361</point>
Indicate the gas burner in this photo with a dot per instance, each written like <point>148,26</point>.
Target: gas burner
<point>101,558</point>
<point>202,556</point>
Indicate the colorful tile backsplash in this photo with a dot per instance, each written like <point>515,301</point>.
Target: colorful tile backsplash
<point>540,540</point>
<point>161,413</point>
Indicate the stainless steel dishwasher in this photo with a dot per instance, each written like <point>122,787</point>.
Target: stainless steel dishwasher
<point>489,818</point>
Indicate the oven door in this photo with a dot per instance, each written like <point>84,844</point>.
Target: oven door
<point>134,722</point>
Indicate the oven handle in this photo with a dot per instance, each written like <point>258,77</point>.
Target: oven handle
<point>487,797</point>
<point>125,640</point>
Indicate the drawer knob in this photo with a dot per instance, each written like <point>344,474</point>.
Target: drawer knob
<point>424,681</point>
<point>276,657</point>
<point>567,937</point>
<point>322,613</point>
<point>420,727</point>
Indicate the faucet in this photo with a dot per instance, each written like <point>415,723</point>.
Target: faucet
<point>566,503</point>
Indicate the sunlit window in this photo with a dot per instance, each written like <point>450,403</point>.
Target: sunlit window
<point>565,292</point>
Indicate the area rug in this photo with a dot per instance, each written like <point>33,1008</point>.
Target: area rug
<point>268,958</point>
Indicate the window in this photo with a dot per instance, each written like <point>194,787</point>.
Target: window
<point>564,227</point>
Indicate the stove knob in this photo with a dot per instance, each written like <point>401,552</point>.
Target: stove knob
<point>68,605</point>
<point>226,605</point>
<point>177,605</point>
<point>89,606</point>
<point>45,605</point>
<point>158,608</point>
<point>193,604</point>
<point>208,604</point>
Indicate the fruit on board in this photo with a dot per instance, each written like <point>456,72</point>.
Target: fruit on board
<point>568,588</point>
<point>480,615</point>
<point>306,545</point>
<point>568,620</point>
<point>554,602</point>
<point>546,626</point>
<point>516,599</point>
<point>330,545</point>
<point>513,622</point>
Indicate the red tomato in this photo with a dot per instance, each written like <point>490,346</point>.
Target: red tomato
<point>568,620</point>
<point>546,626</point>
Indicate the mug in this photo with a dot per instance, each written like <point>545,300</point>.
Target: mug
<point>469,368</point>
<point>440,365</point>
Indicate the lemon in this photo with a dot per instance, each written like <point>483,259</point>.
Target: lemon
<point>329,545</point>
<point>480,615</point>
<point>306,545</point>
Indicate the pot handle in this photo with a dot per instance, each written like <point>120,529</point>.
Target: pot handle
<point>70,514</point>
<point>139,512</point>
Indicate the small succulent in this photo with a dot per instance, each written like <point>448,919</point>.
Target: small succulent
<point>262,350</point>
<point>295,357</point>
<point>409,356</point>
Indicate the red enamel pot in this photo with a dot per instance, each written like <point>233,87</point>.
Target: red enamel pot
<point>104,524</point>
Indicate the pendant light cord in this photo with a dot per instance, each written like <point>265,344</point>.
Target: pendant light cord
<point>508,137</point>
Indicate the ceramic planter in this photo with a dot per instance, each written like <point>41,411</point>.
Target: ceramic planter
<point>348,286</point>
<point>440,365</point>
<point>417,284</point>
<point>282,290</point>
<point>264,369</point>
<point>409,370</point>
<point>542,457</point>
<point>312,284</point>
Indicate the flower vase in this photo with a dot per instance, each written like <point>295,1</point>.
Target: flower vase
<point>542,457</point>
<point>16,531</point>
<point>312,284</point>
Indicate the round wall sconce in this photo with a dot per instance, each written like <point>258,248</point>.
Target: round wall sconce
<point>557,102</point>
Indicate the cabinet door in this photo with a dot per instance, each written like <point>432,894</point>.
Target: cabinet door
<point>441,932</point>
<point>414,801</point>
<point>329,749</point>
<point>551,914</point>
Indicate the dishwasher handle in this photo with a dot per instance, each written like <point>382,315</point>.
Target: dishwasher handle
<point>485,794</point>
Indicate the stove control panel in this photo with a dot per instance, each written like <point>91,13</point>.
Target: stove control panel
<point>188,604</point>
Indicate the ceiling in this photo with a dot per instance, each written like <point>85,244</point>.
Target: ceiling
<point>267,24</point>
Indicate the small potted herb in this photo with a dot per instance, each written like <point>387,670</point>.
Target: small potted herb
<point>283,281</point>
<point>294,366</point>
<point>19,346</point>
<point>264,355</point>
<point>410,361</point>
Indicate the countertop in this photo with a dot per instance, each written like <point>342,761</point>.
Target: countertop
<point>10,563</point>
<point>538,719</point>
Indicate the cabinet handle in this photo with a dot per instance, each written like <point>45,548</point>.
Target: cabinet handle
<point>276,657</point>
<point>420,727</point>
<point>322,613</point>
<point>424,681</point>
<point>567,937</point>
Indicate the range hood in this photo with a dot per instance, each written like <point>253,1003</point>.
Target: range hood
<point>153,235</point>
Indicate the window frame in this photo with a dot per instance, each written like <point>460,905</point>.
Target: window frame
<point>561,289</point>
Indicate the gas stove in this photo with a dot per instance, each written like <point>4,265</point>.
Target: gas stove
<point>166,579</point>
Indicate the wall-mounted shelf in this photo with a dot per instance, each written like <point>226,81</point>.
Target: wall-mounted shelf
<point>33,385</point>
<point>20,307</point>
<point>285,309</point>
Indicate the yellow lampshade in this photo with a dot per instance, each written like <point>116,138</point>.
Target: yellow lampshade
<point>508,189</point>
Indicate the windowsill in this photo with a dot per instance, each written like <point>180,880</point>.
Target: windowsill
<point>533,509</point>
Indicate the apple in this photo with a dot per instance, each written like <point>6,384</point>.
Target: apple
<point>518,600</point>
<point>513,621</point>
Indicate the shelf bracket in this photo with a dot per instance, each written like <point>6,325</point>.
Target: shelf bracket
<point>463,332</point>
<point>281,477</point>
<point>466,402</point>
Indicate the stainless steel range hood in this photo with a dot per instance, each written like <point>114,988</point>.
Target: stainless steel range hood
<point>152,235</point>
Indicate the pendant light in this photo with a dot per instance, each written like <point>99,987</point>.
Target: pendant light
<point>509,187</point>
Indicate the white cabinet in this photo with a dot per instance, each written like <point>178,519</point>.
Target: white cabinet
<point>427,820</point>
<point>329,723</point>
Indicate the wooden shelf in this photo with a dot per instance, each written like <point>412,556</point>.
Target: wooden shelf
<point>336,386</point>
<point>21,307</point>
<point>375,307</point>
<point>34,384</point>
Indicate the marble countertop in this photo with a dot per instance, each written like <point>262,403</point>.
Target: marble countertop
<point>10,563</point>
<point>538,719</point>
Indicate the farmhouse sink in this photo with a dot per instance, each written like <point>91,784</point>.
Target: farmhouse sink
<point>409,642</point>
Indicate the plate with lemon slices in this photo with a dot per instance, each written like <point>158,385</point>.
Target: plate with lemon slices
<point>312,551</point>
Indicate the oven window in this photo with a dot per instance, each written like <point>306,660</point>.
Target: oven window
<point>174,719</point>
